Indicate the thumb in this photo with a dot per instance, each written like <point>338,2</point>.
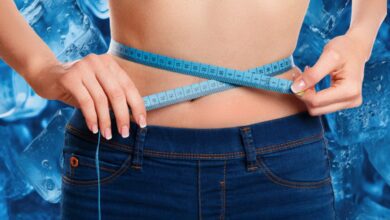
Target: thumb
<point>328,62</point>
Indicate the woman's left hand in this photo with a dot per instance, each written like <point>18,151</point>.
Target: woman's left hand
<point>344,61</point>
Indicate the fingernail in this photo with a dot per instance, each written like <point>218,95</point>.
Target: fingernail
<point>298,86</point>
<point>107,133</point>
<point>306,67</point>
<point>94,128</point>
<point>301,93</point>
<point>125,131</point>
<point>142,121</point>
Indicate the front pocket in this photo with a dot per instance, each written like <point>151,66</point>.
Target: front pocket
<point>79,164</point>
<point>302,166</point>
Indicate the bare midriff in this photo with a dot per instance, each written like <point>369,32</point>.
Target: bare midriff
<point>229,33</point>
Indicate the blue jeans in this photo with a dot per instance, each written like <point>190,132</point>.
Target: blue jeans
<point>275,169</point>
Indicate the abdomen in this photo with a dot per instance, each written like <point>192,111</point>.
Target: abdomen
<point>233,34</point>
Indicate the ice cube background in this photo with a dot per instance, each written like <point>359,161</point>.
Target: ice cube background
<point>359,138</point>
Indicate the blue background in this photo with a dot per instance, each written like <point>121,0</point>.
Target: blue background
<point>359,138</point>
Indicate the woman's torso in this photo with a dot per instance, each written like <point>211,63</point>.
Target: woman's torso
<point>229,33</point>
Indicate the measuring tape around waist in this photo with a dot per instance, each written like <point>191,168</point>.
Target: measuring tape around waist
<point>220,78</point>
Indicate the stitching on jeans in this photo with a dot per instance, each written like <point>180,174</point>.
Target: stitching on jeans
<point>286,145</point>
<point>100,167</point>
<point>223,193</point>
<point>136,167</point>
<point>103,142</point>
<point>235,154</point>
<point>270,148</point>
<point>322,124</point>
<point>330,172</point>
<point>261,150</point>
<point>276,179</point>
<point>124,167</point>
<point>250,150</point>
<point>199,193</point>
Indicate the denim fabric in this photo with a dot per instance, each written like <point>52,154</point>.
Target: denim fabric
<point>275,169</point>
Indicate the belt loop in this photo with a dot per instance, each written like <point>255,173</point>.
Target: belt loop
<point>136,162</point>
<point>250,151</point>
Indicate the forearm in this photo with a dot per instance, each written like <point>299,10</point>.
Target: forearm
<point>366,18</point>
<point>20,46</point>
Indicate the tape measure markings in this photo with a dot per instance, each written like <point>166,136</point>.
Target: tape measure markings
<point>221,78</point>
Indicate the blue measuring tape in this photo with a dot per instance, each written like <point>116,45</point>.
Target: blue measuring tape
<point>220,79</point>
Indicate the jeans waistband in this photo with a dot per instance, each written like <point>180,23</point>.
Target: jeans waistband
<point>211,143</point>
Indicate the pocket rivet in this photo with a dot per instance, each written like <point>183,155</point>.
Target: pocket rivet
<point>74,162</point>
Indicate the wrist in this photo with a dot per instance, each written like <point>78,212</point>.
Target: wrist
<point>362,41</point>
<point>36,67</point>
<point>41,77</point>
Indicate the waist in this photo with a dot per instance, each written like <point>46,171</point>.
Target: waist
<point>224,142</point>
<point>237,106</point>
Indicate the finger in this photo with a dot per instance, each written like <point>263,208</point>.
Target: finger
<point>116,97</point>
<point>133,96</point>
<point>328,62</point>
<point>85,101</point>
<point>334,107</point>
<point>304,93</point>
<point>337,92</point>
<point>91,65</point>
<point>295,74</point>
<point>100,100</point>
<point>67,98</point>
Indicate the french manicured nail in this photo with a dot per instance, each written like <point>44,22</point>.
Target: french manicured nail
<point>125,131</point>
<point>142,121</point>
<point>298,86</point>
<point>94,128</point>
<point>107,133</point>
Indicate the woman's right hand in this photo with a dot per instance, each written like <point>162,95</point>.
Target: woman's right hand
<point>95,84</point>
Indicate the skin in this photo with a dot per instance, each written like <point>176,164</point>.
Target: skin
<point>228,33</point>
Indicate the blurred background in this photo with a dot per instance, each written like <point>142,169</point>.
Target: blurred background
<point>32,128</point>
